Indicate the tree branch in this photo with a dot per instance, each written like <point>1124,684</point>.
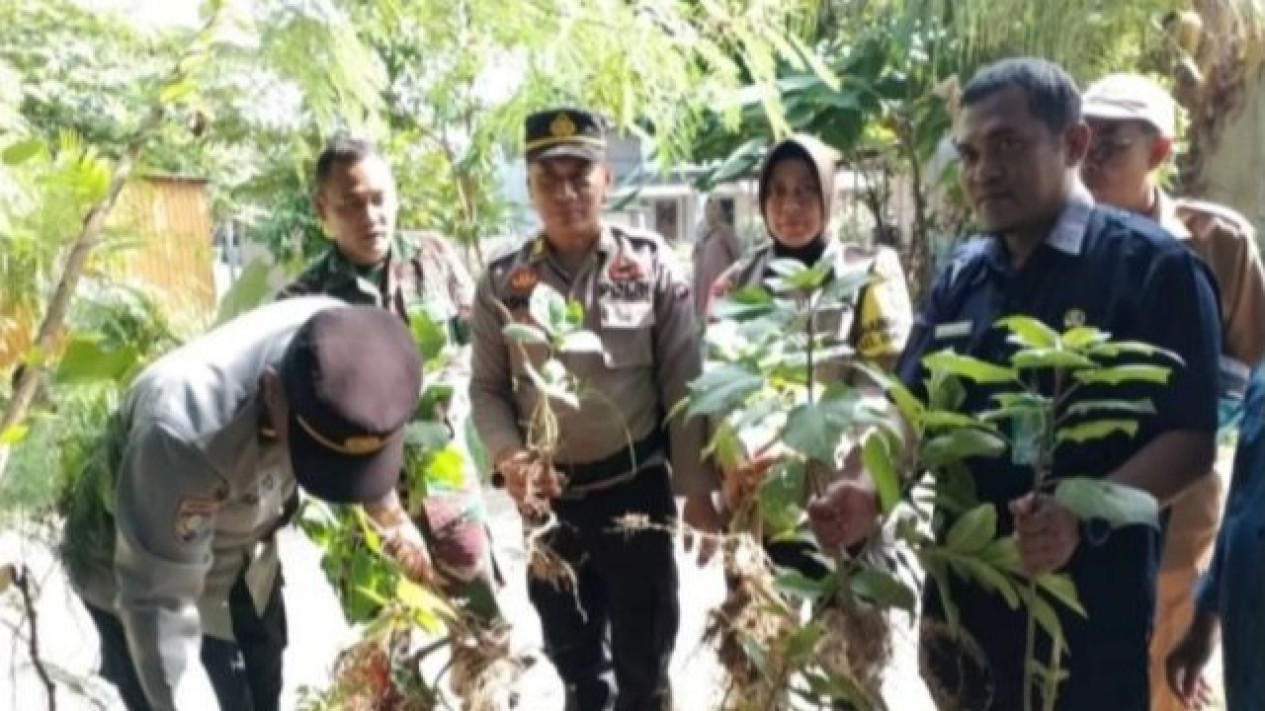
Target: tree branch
<point>22,580</point>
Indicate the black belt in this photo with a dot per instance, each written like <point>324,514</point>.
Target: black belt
<point>625,460</point>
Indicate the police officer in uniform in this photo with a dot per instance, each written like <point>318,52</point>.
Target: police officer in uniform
<point>638,301</point>
<point>355,197</point>
<point>205,457</point>
<point>1052,254</point>
<point>1134,124</point>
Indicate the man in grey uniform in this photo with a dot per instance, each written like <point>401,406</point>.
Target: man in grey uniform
<point>615,450</point>
<point>205,457</point>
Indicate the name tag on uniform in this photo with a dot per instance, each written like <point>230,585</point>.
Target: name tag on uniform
<point>953,330</point>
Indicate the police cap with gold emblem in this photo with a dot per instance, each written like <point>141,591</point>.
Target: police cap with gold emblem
<point>352,378</point>
<point>565,132</point>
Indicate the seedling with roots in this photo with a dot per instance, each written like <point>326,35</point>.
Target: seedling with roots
<point>403,622</point>
<point>554,331</point>
<point>1056,390</point>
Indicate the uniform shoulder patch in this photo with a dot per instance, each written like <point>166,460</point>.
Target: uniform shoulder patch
<point>640,236</point>
<point>195,516</point>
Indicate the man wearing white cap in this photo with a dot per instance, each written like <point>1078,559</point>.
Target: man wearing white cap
<point>1134,122</point>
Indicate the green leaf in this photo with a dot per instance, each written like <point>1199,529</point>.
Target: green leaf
<point>817,430</point>
<point>972,369</point>
<point>882,589</point>
<point>85,361</point>
<point>958,445</point>
<point>525,334</point>
<point>251,289</point>
<point>581,342</point>
<point>174,93</point>
<point>446,470</point>
<point>1062,588</point>
<point>803,643</point>
<point>1098,429</point>
<point>1029,332</point>
<point>719,391</point>
<point>787,267</point>
<point>973,530</point>
<point>1002,554</point>
<point>909,406</point>
<point>1124,374</point>
<point>1115,349</point>
<point>940,419</point>
<point>755,653</point>
<point>782,494</point>
<point>1045,615</point>
<point>430,336</point>
<point>22,151</point>
<point>1084,337</point>
<point>796,585</point>
<point>744,304</point>
<point>1117,504</point>
<point>1135,407</point>
<point>426,436</point>
<point>944,392</point>
<point>1050,358</point>
<point>549,310</point>
<point>877,457</point>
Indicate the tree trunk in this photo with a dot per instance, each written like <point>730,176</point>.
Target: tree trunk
<point>1230,160</point>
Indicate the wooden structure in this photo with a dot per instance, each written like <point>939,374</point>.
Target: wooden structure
<point>161,242</point>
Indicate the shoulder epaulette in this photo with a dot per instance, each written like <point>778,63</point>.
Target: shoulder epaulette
<point>1229,217</point>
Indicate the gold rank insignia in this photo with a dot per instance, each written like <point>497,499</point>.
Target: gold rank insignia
<point>1074,318</point>
<point>562,126</point>
<point>362,445</point>
<point>523,279</point>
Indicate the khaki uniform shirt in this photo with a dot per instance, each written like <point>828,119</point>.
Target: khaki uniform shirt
<point>199,493</point>
<point>1226,242</point>
<point>637,301</point>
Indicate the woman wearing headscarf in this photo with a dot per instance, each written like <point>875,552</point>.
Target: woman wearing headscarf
<point>796,194</point>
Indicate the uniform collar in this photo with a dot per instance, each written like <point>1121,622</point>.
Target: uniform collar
<point>1068,234</point>
<point>1164,212</point>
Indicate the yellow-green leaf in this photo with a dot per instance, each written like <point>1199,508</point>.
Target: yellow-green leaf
<point>878,458</point>
<point>972,369</point>
<point>882,589</point>
<point>973,530</point>
<point>1124,374</point>
<point>1029,332</point>
<point>1098,429</point>
<point>1063,589</point>
<point>14,435</point>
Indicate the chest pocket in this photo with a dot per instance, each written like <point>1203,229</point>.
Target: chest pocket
<point>627,332</point>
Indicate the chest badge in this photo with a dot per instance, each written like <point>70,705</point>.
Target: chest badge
<point>1073,318</point>
<point>624,269</point>
<point>523,279</point>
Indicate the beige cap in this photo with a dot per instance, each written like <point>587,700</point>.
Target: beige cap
<point>1131,97</point>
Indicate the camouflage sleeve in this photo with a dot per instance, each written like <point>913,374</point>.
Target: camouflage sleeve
<point>492,401</point>
<point>677,362</point>
<point>885,315</point>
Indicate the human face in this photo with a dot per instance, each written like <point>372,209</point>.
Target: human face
<point>568,194</point>
<point>1121,156</point>
<point>1015,171</point>
<point>358,205</point>
<point>793,207</point>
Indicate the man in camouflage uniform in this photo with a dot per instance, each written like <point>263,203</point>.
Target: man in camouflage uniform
<point>355,197</point>
<point>617,456</point>
<point>1134,123</point>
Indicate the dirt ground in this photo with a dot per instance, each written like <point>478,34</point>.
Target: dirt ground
<point>68,641</point>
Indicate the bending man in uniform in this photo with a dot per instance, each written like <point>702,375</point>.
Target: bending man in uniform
<point>206,456</point>
<point>638,302</point>
<point>355,196</point>
<point>1134,123</point>
<point>1051,254</point>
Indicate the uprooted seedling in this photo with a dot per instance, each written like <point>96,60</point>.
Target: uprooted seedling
<point>405,623</point>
